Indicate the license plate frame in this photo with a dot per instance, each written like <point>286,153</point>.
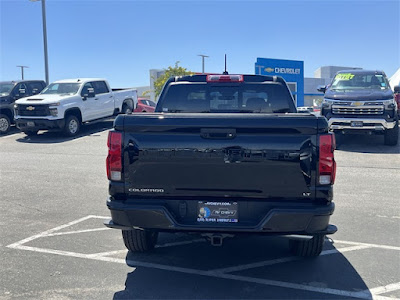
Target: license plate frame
<point>30,124</point>
<point>356,124</point>
<point>217,212</point>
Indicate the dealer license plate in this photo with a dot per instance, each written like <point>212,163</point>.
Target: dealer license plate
<point>356,124</point>
<point>217,212</point>
<point>30,124</point>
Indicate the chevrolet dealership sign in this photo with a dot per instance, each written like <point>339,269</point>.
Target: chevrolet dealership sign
<point>282,70</point>
<point>287,71</point>
<point>290,70</point>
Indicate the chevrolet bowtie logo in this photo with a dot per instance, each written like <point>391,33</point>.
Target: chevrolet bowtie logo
<point>269,70</point>
<point>358,103</point>
<point>30,108</point>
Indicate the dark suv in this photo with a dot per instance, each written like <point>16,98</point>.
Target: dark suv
<point>11,91</point>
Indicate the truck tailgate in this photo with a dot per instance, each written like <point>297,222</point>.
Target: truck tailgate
<point>220,155</point>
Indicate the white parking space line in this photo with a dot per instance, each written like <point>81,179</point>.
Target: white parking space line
<point>77,231</point>
<point>10,135</point>
<point>180,243</point>
<point>283,260</point>
<point>297,286</point>
<point>370,245</point>
<point>72,254</point>
<point>385,289</point>
<point>98,217</point>
<point>379,297</point>
<point>343,293</point>
<point>103,254</point>
<point>45,233</point>
<point>217,273</point>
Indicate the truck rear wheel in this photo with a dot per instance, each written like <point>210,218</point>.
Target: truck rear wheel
<point>72,125</point>
<point>392,135</point>
<point>4,124</point>
<point>307,248</point>
<point>139,240</point>
<point>126,109</point>
<point>338,138</point>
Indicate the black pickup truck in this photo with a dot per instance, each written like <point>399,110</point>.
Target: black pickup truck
<point>222,155</point>
<point>11,91</point>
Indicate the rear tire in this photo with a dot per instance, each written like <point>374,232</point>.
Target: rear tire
<point>4,124</point>
<point>126,109</point>
<point>392,135</point>
<point>31,132</point>
<point>307,248</point>
<point>338,138</point>
<point>72,125</point>
<point>139,240</point>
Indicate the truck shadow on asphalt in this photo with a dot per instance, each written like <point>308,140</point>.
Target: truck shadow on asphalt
<point>365,144</point>
<point>199,271</point>
<point>53,137</point>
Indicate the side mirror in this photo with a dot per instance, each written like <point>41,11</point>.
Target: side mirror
<point>397,89</point>
<point>89,93</point>
<point>321,88</point>
<point>302,109</point>
<point>19,94</point>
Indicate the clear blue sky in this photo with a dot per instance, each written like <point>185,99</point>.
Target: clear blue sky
<point>122,40</point>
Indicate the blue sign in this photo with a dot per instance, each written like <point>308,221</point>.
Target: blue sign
<point>291,70</point>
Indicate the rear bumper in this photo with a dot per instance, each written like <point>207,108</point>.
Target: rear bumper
<point>368,124</point>
<point>283,220</point>
<point>39,124</point>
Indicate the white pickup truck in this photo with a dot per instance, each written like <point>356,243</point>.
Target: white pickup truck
<point>67,104</point>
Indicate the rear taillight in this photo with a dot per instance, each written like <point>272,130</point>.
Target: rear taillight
<point>114,158</point>
<point>327,164</point>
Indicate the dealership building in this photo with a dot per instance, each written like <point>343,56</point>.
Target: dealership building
<point>304,89</point>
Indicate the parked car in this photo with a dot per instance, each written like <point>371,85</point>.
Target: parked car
<point>222,155</point>
<point>67,104</point>
<point>11,91</point>
<point>361,101</point>
<point>145,105</point>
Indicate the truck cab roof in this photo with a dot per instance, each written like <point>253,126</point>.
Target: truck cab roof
<point>19,81</point>
<point>79,80</point>
<point>362,72</point>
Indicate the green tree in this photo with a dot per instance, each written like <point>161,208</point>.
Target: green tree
<point>145,93</point>
<point>169,72</point>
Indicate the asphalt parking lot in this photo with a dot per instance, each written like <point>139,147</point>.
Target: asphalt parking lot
<point>53,244</point>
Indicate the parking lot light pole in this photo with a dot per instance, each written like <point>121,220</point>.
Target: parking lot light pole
<point>22,71</point>
<point>46,63</point>
<point>202,58</point>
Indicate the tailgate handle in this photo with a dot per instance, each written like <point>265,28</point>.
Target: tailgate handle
<point>217,133</point>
